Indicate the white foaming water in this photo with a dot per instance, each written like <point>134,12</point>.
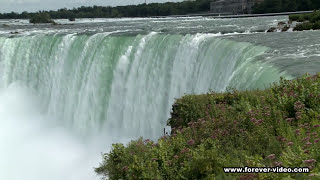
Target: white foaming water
<point>32,149</point>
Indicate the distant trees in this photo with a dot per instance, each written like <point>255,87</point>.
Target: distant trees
<point>273,6</point>
<point>141,10</point>
<point>41,18</point>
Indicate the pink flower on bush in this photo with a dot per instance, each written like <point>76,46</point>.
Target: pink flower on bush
<point>280,138</point>
<point>253,120</point>
<point>164,137</point>
<point>277,163</point>
<point>176,156</point>
<point>316,126</point>
<point>306,139</point>
<point>289,120</point>
<point>310,161</point>
<point>271,156</point>
<point>298,115</point>
<point>267,114</point>
<point>308,143</point>
<point>290,143</point>
<point>298,105</point>
<point>258,122</point>
<point>184,150</point>
<point>154,159</point>
<point>191,142</point>
<point>316,141</point>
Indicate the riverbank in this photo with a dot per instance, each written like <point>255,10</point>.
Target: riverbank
<point>215,15</point>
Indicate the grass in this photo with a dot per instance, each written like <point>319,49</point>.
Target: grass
<point>279,126</point>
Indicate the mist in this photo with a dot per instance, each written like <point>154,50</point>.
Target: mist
<point>34,148</point>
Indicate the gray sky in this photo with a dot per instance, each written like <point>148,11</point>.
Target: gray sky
<point>35,5</point>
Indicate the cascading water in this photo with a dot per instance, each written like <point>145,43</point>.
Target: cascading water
<point>126,83</point>
<point>64,97</point>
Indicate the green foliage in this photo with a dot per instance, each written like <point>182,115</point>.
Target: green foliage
<point>274,6</point>
<point>41,18</point>
<point>311,17</point>
<point>141,10</point>
<point>307,26</point>
<point>279,126</point>
<point>310,21</point>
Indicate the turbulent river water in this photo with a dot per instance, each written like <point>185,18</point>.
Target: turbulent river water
<point>67,92</point>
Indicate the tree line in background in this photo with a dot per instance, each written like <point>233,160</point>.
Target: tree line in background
<point>161,9</point>
<point>274,6</point>
<point>141,10</point>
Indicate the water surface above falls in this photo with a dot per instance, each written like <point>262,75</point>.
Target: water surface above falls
<point>190,25</point>
<point>67,92</point>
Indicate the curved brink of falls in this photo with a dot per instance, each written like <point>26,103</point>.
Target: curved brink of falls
<point>125,85</point>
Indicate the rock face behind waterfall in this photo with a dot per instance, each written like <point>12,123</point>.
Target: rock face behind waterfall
<point>274,127</point>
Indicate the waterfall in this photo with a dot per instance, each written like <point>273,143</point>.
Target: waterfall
<point>68,87</point>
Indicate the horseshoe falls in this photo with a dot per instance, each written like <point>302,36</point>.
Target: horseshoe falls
<point>68,92</point>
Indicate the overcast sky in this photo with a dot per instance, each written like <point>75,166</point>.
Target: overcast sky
<point>35,5</point>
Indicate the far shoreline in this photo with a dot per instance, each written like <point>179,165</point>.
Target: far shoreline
<point>215,15</point>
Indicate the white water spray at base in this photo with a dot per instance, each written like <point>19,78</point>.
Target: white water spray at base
<point>31,150</point>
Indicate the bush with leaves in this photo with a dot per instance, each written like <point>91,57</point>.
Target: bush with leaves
<point>309,21</point>
<point>279,126</point>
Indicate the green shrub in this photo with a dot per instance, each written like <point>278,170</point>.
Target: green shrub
<point>279,126</point>
<point>307,26</point>
<point>312,17</point>
<point>41,18</point>
<point>310,21</point>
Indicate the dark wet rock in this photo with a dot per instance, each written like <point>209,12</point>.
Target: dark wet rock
<point>72,19</point>
<point>273,29</point>
<point>54,24</point>
<point>281,23</point>
<point>285,28</point>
